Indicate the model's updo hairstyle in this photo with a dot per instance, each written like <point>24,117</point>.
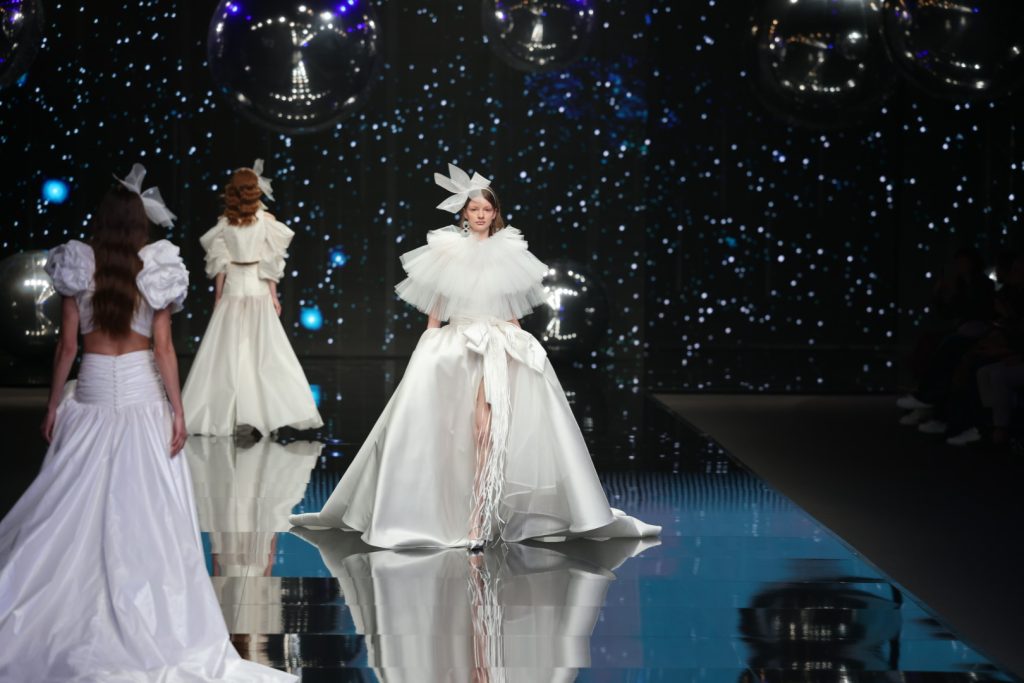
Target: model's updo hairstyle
<point>488,194</point>
<point>242,197</point>
<point>119,229</point>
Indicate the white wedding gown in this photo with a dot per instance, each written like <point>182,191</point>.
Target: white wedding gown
<point>245,371</point>
<point>415,481</point>
<point>102,577</point>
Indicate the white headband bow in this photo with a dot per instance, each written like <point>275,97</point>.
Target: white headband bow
<point>264,183</point>
<point>152,202</point>
<point>462,185</point>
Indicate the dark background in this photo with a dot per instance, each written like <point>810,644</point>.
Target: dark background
<point>737,251</point>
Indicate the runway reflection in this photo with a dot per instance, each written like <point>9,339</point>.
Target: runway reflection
<point>744,585</point>
<point>244,491</point>
<point>514,612</point>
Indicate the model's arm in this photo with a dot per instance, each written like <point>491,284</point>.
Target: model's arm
<point>63,357</point>
<point>273,295</point>
<point>433,323</point>
<point>167,364</point>
<point>218,288</point>
<point>515,321</point>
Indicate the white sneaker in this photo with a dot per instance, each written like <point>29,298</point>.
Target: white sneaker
<point>915,417</point>
<point>910,402</point>
<point>965,437</point>
<point>932,427</point>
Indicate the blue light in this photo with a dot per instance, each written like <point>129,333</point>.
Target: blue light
<point>338,257</point>
<point>55,191</point>
<point>315,390</point>
<point>311,318</point>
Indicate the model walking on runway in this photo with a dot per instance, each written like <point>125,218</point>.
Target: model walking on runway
<point>245,372</point>
<point>102,577</point>
<point>478,442</point>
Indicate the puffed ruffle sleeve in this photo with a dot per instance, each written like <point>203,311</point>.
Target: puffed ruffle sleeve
<point>163,280</point>
<point>274,249</point>
<point>71,267</point>
<point>217,255</point>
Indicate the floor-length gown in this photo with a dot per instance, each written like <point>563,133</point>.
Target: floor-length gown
<point>245,371</point>
<point>102,578</point>
<point>419,478</point>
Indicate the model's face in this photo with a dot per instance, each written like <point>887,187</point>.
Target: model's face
<point>480,214</point>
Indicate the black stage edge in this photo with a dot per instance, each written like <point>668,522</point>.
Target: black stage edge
<point>944,522</point>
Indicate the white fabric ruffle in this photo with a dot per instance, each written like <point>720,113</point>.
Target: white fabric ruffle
<point>71,266</point>
<point>452,274</point>
<point>275,249</point>
<point>264,242</point>
<point>217,256</point>
<point>163,280</point>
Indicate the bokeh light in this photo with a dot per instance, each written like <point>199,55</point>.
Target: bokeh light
<point>311,318</point>
<point>55,191</point>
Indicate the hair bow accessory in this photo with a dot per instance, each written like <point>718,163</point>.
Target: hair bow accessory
<point>152,202</point>
<point>264,183</point>
<point>461,185</point>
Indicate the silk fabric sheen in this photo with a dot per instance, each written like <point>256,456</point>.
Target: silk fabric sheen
<point>102,578</point>
<point>411,483</point>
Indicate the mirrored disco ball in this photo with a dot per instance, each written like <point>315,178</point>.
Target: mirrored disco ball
<point>574,319</point>
<point>958,49</point>
<point>21,30</point>
<point>821,63</point>
<point>539,34</point>
<point>29,305</point>
<point>295,66</point>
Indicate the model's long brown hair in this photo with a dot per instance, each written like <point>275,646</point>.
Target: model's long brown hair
<point>120,229</point>
<point>488,194</point>
<point>242,197</point>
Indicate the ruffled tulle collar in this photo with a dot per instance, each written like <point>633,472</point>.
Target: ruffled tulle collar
<point>456,274</point>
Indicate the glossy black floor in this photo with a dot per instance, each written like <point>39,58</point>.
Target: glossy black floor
<point>742,586</point>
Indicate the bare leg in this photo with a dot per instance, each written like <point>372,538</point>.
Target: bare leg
<point>482,437</point>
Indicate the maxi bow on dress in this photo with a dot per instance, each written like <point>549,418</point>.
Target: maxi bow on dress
<point>415,481</point>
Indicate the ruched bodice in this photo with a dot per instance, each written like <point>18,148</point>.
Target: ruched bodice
<point>124,381</point>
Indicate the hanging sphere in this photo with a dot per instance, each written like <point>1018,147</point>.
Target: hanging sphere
<point>821,63</point>
<point>21,30</point>
<point>575,317</point>
<point>957,49</point>
<point>29,305</point>
<point>295,66</point>
<point>531,35</point>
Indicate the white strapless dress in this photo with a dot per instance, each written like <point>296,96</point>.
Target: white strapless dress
<point>102,577</point>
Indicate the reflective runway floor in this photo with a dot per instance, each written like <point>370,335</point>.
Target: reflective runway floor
<point>742,586</point>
